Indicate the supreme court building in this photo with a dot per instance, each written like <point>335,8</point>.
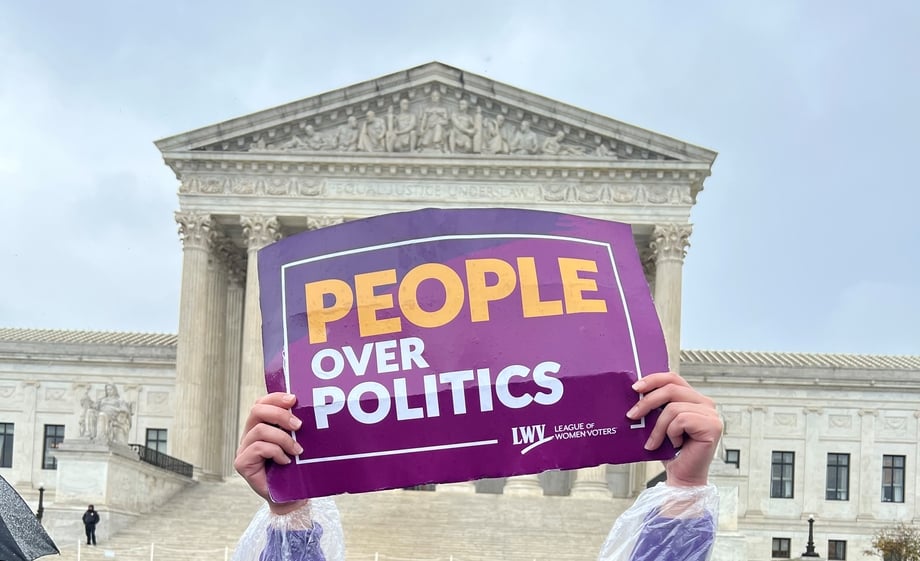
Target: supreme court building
<point>829,435</point>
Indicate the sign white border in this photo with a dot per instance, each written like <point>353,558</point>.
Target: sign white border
<point>416,241</point>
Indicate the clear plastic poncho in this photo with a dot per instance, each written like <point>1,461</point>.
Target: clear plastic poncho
<point>311,533</point>
<point>664,524</point>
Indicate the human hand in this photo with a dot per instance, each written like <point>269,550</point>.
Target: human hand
<point>689,420</point>
<point>266,436</point>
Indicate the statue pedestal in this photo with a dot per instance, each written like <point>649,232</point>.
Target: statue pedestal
<point>96,473</point>
<point>110,477</point>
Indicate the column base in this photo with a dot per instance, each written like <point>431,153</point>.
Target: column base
<point>467,487</point>
<point>590,490</point>
<point>523,486</point>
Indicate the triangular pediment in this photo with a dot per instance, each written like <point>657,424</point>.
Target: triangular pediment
<point>434,110</point>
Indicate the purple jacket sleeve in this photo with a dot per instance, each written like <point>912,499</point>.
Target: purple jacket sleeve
<point>675,539</point>
<point>293,545</point>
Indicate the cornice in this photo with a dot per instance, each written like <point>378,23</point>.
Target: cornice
<point>183,159</point>
<point>215,190</point>
<point>188,165</point>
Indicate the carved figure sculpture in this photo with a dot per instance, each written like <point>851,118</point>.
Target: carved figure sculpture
<point>295,143</point>
<point>88,417</point>
<point>346,137</point>
<point>433,126</point>
<point>603,151</point>
<point>259,145</point>
<point>108,419</point>
<point>553,145</point>
<point>465,134</point>
<point>401,129</point>
<point>372,137</point>
<point>313,140</point>
<point>525,140</point>
<point>495,140</point>
<point>310,141</point>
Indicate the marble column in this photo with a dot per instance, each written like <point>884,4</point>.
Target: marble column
<point>236,276</point>
<point>258,231</point>
<point>215,373</point>
<point>619,477</point>
<point>523,485</point>
<point>192,347</point>
<point>667,249</point>
<point>29,413</point>
<point>916,516</point>
<point>868,488</point>
<point>669,246</point>
<point>759,468</point>
<point>591,483</point>
<point>814,461</point>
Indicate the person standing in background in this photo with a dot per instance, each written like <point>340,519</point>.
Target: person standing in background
<point>90,519</point>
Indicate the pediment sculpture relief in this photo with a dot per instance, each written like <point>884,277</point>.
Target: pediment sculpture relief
<point>435,126</point>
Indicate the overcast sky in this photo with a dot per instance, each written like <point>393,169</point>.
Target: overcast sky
<point>806,237</point>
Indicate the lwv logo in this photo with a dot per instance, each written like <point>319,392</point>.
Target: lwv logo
<point>532,435</point>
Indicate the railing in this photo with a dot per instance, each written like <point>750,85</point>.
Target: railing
<point>161,460</point>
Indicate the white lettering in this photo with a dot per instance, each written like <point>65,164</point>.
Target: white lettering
<point>322,408</point>
<point>373,416</point>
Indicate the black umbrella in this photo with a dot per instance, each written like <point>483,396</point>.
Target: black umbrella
<point>22,537</point>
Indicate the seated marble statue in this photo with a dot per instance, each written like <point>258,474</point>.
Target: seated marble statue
<point>108,419</point>
<point>525,140</point>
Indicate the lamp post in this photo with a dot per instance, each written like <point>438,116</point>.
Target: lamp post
<point>41,503</point>
<point>810,546</point>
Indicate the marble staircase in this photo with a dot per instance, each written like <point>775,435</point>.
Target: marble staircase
<point>204,523</point>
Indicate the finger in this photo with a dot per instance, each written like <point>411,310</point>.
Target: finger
<point>651,382</point>
<point>670,393</point>
<point>270,435</point>
<point>693,424</point>
<point>274,409</point>
<point>250,463</point>
<point>680,419</point>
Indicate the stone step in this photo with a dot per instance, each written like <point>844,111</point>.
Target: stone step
<point>205,522</point>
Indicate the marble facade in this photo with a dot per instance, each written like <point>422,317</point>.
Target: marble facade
<point>811,405</point>
<point>439,136</point>
<point>429,136</point>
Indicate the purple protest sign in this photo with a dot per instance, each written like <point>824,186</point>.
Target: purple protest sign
<point>438,346</point>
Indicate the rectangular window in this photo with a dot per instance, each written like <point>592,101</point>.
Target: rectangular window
<point>892,479</point>
<point>733,457</point>
<point>156,440</point>
<point>836,550</point>
<point>838,477</point>
<point>781,548</point>
<point>6,445</point>
<point>54,435</point>
<point>781,480</point>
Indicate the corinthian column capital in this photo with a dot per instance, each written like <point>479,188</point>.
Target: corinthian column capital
<point>670,242</point>
<point>260,230</point>
<point>317,222</point>
<point>222,248</point>
<point>194,229</point>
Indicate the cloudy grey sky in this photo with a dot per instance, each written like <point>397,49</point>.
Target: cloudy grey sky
<point>806,237</point>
